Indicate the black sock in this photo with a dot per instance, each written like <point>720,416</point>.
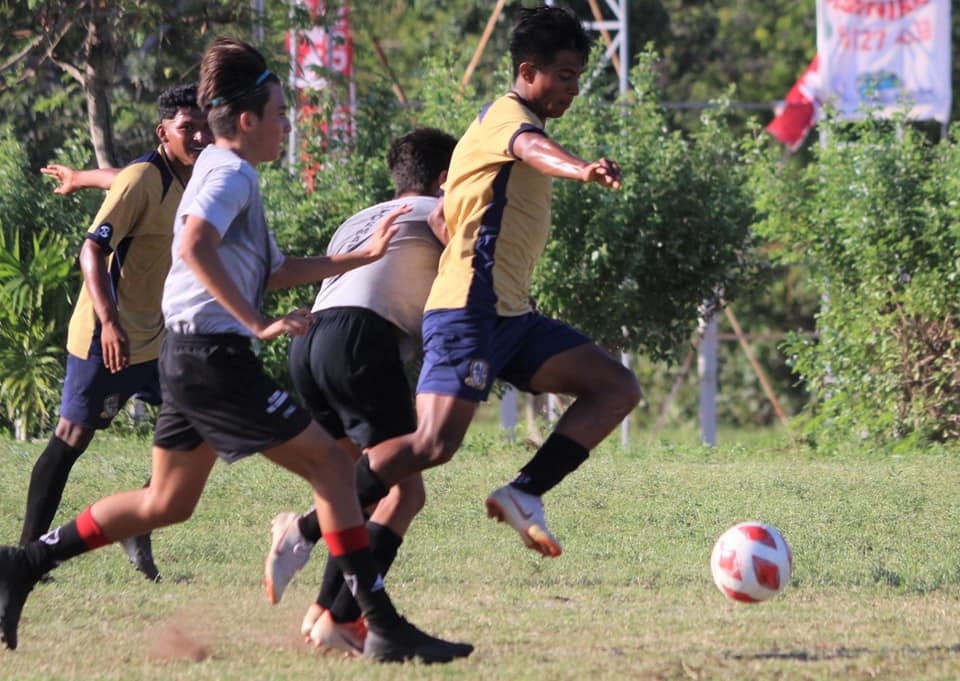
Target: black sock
<point>309,526</point>
<point>366,584</point>
<point>63,543</point>
<point>370,487</point>
<point>331,584</point>
<point>49,477</point>
<point>384,543</point>
<point>557,457</point>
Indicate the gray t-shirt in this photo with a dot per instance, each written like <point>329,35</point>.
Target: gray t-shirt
<point>396,286</point>
<point>224,191</point>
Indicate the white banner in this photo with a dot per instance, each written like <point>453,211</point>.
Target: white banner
<point>885,56</point>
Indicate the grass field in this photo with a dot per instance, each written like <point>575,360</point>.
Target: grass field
<point>875,594</point>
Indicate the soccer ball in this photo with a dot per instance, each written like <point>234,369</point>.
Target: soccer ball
<point>751,562</point>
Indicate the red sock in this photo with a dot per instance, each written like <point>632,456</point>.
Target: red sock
<point>89,531</point>
<point>341,542</point>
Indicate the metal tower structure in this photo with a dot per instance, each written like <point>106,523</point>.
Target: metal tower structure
<point>614,33</point>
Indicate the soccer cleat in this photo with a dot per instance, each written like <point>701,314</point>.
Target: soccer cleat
<point>16,582</point>
<point>139,551</point>
<point>289,552</point>
<point>313,614</point>
<point>332,635</point>
<point>405,642</point>
<point>524,513</point>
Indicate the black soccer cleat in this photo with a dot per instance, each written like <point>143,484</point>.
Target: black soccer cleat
<point>139,551</point>
<point>405,642</point>
<point>16,582</point>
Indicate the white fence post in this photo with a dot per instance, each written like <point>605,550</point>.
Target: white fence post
<point>508,413</point>
<point>707,371</point>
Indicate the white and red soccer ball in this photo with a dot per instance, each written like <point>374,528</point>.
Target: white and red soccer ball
<point>751,562</point>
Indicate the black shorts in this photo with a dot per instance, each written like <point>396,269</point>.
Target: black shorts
<point>215,391</point>
<point>348,371</point>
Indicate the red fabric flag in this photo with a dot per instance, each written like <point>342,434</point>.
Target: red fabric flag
<point>797,114</point>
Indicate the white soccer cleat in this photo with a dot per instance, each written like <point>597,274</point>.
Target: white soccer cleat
<point>347,637</point>
<point>289,552</point>
<point>313,614</point>
<point>524,513</point>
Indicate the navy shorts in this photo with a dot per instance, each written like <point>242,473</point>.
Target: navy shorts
<point>465,350</point>
<point>215,391</point>
<point>92,396</point>
<point>348,371</point>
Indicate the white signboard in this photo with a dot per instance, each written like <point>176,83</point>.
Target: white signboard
<point>885,56</point>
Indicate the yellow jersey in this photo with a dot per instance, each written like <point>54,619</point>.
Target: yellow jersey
<point>134,226</point>
<point>497,210</point>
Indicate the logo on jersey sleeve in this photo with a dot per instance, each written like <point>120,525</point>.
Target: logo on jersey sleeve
<point>105,232</point>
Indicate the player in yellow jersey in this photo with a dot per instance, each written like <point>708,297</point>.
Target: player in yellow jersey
<point>479,323</point>
<point>115,331</point>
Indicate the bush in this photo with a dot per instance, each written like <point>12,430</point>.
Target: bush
<point>876,217</point>
<point>635,266</point>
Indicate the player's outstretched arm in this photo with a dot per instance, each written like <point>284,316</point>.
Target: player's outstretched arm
<point>297,271</point>
<point>70,179</point>
<point>551,159</point>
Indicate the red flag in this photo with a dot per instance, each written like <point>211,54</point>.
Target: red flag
<point>797,114</point>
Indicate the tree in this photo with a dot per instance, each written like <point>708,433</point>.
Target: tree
<point>118,55</point>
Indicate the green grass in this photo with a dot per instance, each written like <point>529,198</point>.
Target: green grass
<point>875,594</point>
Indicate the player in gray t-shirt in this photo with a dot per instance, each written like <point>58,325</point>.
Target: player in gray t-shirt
<point>349,370</point>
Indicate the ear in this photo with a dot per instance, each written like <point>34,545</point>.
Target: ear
<point>162,133</point>
<point>246,120</point>
<point>527,71</point>
<point>438,183</point>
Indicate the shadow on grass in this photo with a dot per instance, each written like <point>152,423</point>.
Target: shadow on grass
<point>842,653</point>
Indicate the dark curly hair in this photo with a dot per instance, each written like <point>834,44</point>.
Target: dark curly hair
<point>417,159</point>
<point>175,98</point>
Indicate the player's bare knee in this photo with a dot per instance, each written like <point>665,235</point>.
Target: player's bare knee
<point>434,451</point>
<point>163,513</point>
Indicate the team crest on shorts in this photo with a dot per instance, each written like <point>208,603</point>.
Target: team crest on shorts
<point>478,373</point>
<point>111,407</point>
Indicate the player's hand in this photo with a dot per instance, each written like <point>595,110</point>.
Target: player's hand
<point>385,231</point>
<point>64,175</point>
<point>294,323</point>
<point>438,223</point>
<point>115,345</point>
<point>602,171</point>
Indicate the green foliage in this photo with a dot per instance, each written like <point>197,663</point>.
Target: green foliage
<point>37,230</point>
<point>634,266</point>
<point>876,218</point>
<point>33,276</point>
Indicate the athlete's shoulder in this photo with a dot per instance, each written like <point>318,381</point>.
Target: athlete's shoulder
<point>149,173</point>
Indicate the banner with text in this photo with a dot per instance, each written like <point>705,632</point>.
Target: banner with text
<point>323,67</point>
<point>885,56</point>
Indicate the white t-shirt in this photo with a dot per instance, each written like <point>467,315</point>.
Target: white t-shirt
<point>223,190</point>
<point>396,286</point>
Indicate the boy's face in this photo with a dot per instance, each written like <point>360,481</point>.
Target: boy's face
<point>185,135</point>
<point>552,88</point>
<point>270,132</point>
